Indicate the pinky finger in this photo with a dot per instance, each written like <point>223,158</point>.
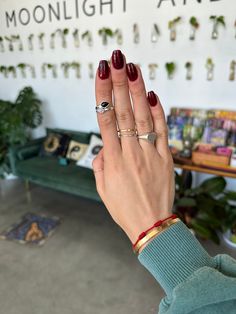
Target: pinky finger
<point>160,126</point>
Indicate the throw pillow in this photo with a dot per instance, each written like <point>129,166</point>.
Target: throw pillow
<point>76,150</point>
<point>95,145</point>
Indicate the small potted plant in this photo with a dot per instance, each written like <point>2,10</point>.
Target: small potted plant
<point>189,67</point>
<point>17,38</point>
<point>210,69</point>
<point>170,68</point>
<point>105,32</point>
<point>172,27</point>
<point>194,27</point>
<point>53,67</point>
<point>75,35</point>
<point>2,49</point>
<point>235,28</point>
<point>87,35</point>
<point>155,33</point>
<point>32,70</point>
<point>217,21</point>
<point>152,71</point>
<point>232,70</point>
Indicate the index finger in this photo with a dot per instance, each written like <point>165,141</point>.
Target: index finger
<point>106,120</point>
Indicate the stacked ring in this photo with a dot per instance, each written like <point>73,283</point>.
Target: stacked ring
<point>127,132</point>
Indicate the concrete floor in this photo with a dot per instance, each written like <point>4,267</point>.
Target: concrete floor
<point>86,267</point>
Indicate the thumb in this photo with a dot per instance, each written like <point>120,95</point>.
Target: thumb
<point>98,169</point>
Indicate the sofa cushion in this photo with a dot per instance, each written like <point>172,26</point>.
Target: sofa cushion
<point>48,172</point>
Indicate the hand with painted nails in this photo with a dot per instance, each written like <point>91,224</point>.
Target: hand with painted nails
<point>134,170</point>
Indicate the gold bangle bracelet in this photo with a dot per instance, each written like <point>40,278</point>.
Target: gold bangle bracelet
<point>154,232</point>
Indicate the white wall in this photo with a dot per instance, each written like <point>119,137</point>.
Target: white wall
<point>70,103</point>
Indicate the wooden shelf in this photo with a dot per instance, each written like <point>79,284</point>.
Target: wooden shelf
<point>206,170</point>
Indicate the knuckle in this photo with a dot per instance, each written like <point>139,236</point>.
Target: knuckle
<point>106,120</point>
<point>123,115</point>
<point>119,83</point>
<point>138,92</point>
<point>145,123</point>
<point>163,134</point>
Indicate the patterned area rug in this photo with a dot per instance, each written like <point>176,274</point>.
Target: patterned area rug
<point>32,228</point>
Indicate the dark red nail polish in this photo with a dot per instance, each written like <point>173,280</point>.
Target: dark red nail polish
<point>152,98</point>
<point>132,72</point>
<point>117,59</point>
<point>103,70</point>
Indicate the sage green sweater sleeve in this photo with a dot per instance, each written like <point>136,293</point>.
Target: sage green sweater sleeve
<point>194,282</point>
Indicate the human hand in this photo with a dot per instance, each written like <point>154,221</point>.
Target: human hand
<point>134,178</point>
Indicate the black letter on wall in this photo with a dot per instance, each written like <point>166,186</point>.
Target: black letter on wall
<point>65,15</point>
<point>10,18</point>
<point>160,2</point>
<point>124,5</point>
<point>55,13</point>
<point>91,6</point>
<point>43,14</point>
<point>199,1</point>
<point>27,16</point>
<point>105,3</point>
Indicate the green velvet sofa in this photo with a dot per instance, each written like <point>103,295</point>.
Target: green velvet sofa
<point>26,163</point>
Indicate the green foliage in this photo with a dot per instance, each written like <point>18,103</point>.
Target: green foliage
<point>105,31</point>
<point>208,208</point>
<point>17,118</point>
<point>194,22</point>
<point>218,19</point>
<point>174,22</point>
<point>170,68</point>
<point>65,31</point>
<point>188,65</point>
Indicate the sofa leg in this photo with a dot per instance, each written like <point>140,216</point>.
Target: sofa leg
<point>27,185</point>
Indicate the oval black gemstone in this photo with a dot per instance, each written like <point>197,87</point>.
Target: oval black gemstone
<point>104,104</point>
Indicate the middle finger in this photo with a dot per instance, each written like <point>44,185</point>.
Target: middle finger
<point>123,108</point>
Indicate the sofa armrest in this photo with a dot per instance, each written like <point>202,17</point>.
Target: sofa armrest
<point>22,152</point>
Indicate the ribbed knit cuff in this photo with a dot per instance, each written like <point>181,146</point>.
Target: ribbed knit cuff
<point>173,256</point>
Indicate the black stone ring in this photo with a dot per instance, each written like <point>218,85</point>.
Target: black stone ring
<point>103,107</point>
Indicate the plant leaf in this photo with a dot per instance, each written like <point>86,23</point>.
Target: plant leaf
<point>214,186</point>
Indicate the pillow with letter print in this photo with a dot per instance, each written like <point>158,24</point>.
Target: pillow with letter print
<point>76,150</point>
<point>94,147</point>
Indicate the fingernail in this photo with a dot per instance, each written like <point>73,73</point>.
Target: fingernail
<point>152,98</point>
<point>103,70</point>
<point>131,72</point>
<point>117,59</point>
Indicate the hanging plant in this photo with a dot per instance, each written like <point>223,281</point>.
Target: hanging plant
<point>217,21</point>
<point>3,70</point>
<point>65,67</point>
<point>91,71</point>
<point>75,35</point>
<point>119,36</point>
<point>194,27</point>
<point>41,43</point>
<point>64,33</point>
<point>136,33</point>
<point>152,71</point>
<point>30,41</point>
<point>22,67</point>
<point>232,70</point>
<point>172,27</point>
<point>17,39</point>
<point>76,67</point>
<point>2,49</point>
<point>210,69</point>
<point>87,35</point>
<point>52,40</point>
<point>12,69</point>
<point>170,68</point>
<point>9,39</point>
<point>105,33</point>
<point>189,66</point>
<point>155,33</point>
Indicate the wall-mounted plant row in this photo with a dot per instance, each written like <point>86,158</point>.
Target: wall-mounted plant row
<point>52,70</point>
<point>60,36</point>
